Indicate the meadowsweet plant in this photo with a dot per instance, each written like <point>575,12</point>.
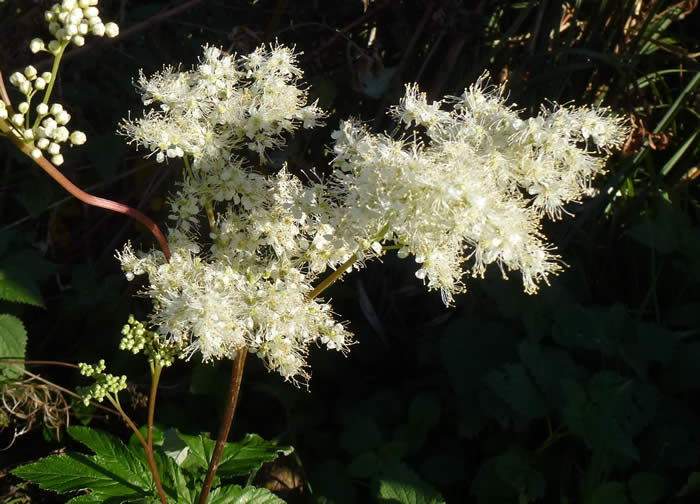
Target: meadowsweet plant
<point>250,249</point>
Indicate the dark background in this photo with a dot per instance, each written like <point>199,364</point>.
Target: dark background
<point>584,393</point>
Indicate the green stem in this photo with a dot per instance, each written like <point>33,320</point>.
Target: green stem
<point>54,72</point>
<point>328,281</point>
<point>232,400</point>
<point>155,378</point>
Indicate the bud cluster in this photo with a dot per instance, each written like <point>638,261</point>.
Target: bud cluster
<point>105,383</point>
<point>69,22</point>
<point>48,130</point>
<point>137,338</point>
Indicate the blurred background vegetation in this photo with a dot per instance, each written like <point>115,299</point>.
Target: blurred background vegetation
<point>585,393</point>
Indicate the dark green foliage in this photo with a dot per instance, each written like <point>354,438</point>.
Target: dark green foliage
<point>118,473</point>
<point>585,393</point>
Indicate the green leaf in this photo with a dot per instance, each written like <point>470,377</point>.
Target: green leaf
<point>178,485</point>
<point>512,384</point>
<point>646,488</point>
<point>238,459</point>
<point>13,343</point>
<point>75,472</point>
<point>234,494</point>
<point>114,455</point>
<point>17,288</point>
<point>506,476</point>
<point>399,485</point>
<point>550,367</point>
<point>469,351</point>
<point>595,329</point>
<point>85,499</point>
<point>613,411</point>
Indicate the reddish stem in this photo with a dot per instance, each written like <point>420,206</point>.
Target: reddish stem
<point>234,388</point>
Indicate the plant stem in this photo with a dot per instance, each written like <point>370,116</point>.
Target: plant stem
<point>3,93</point>
<point>54,72</point>
<point>234,388</point>
<point>121,208</point>
<point>331,278</point>
<point>155,378</point>
<point>149,450</point>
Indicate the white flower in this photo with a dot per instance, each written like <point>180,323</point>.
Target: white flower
<point>467,190</point>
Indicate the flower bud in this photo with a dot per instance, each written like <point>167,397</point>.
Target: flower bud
<point>98,29</point>
<point>111,30</point>
<point>54,47</point>
<point>16,79</point>
<point>30,72</point>
<point>78,138</point>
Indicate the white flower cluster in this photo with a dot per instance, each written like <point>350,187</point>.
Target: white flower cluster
<point>224,104</point>
<point>69,22</point>
<point>470,184</point>
<point>47,129</point>
<point>250,287</point>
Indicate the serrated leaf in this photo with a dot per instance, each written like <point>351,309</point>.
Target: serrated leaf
<point>613,411</point>
<point>238,459</point>
<point>234,494</point>
<point>550,367</point>
<point>649,343</point>
<point>399,485</point>
<point>114,455</point>
<point>13,343</point>
<point>16,289</point>
<point>179,486</point>
<point>85,499</point>
<point>469,351</point>
<point>75,472</point>
<point>506,476</point>
<point>595,329</point>
<point>514,386</point>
